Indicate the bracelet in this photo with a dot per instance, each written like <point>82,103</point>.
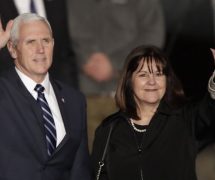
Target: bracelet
<point>211,80</point>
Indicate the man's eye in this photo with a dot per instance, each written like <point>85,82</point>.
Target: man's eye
<point>46,40</point>
<point>30,41</point>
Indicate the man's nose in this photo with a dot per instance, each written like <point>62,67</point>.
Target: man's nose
<point>40,47</point>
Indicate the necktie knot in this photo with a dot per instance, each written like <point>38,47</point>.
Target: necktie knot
<point>39,88</point>
<point>32,7</point>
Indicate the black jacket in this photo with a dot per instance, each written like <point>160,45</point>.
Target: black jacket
<point>168,148</point>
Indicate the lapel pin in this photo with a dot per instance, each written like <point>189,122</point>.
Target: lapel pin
<point>62,99</point>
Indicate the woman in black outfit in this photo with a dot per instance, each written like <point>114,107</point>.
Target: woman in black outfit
<point>153,137</point>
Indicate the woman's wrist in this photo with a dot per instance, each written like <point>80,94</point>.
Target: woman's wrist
<point>211,85</point>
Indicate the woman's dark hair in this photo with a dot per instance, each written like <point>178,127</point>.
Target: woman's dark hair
<point>174,94</point>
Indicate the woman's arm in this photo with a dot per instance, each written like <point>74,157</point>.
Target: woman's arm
<point>211,82</point>
<point>205,124</point>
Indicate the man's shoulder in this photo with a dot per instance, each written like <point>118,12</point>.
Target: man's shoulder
<point>8,76</point>
<point>65,87</point>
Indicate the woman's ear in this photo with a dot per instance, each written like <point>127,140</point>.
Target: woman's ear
<point>12,49</point>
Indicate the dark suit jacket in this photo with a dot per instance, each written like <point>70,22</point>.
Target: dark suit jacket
<point>64,65</point>
<point>23,154</point>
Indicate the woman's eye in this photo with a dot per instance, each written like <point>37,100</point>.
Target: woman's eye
<point>158,74</point>
<point>144,75</point>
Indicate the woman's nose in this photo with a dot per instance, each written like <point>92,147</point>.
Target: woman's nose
<point>151,79</point>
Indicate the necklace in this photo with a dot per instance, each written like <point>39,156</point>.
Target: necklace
<point>136,129</point>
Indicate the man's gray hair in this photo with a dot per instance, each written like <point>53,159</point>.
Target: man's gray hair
<point>24,18</point>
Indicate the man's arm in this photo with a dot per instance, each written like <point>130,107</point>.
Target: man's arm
<point>81,167</point>
<point>5,34</point>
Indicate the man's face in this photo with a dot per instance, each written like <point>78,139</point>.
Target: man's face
<point>34,50</point>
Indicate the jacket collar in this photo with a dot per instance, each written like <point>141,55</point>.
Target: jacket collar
<point>156,125</point>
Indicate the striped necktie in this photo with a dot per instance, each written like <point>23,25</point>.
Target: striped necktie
<point>48,120</point>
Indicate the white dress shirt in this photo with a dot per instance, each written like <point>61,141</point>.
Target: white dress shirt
<point>51,99</point>
<point>23,6</point>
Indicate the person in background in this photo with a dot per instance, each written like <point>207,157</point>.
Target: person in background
<point>154,132</point>
<point>43,121</point>
<point>64,66</point>
<point>205,163</point>
<point>103,31</point>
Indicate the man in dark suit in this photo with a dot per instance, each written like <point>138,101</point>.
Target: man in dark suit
<point>33,121</point>
<point>64,64</point>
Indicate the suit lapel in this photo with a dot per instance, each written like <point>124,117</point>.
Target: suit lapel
<point>31,115</point>
<point>61,99</point>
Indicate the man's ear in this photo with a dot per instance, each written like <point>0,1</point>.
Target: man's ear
<point>12,49</point>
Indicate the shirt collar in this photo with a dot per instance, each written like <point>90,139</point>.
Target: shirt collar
<point>30,84</point>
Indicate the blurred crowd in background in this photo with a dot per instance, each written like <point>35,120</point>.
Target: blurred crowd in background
<point>93,37</point>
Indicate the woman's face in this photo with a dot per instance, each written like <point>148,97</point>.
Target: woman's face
<point>149,85</point>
